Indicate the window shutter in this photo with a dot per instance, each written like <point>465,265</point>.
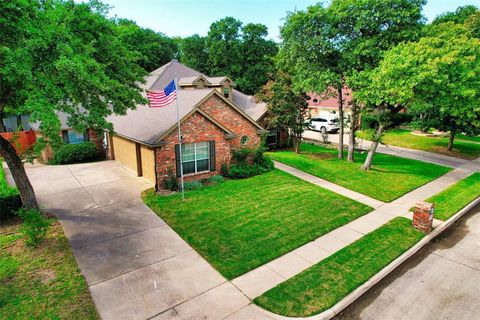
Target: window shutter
<point>212,155</point>
<point>177,159</point>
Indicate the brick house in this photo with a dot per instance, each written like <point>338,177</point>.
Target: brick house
<point>215,119</point>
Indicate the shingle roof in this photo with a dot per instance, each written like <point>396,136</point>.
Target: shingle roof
<point>147,125</point>
<point>249,104</point>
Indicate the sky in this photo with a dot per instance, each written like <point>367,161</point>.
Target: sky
<point>186,17</point>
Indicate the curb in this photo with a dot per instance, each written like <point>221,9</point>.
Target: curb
<point>357,293</point>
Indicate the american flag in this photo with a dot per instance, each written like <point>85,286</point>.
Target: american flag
<point>162,98</point>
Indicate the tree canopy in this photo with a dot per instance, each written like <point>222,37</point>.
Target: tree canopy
<point>62,56</point>
<point>436,78</point>
<point>232,49</point>
<point>155,48</point>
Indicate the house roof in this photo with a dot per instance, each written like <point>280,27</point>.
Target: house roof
<point>329,100</point>
<point>149,125</point>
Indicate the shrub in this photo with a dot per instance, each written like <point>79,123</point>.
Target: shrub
<point>248,163</point>
<point>76,153</point>
<point>34,226</point>
<point>171,182</point>
<point>224,169</point>
<point>216,179</point>
<point>192,185</point>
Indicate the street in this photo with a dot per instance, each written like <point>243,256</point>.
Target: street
<point>442,281</point>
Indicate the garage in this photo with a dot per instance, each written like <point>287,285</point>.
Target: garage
<point>148,163</point>
<point>125,153</point>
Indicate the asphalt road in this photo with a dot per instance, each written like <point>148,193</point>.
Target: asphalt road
<point>442,281</point>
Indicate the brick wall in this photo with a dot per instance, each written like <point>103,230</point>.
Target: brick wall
<point>197,128</point>
<point>233,120</point>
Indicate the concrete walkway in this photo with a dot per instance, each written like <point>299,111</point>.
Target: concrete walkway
<point>135,265</point>
<point>439,282</point>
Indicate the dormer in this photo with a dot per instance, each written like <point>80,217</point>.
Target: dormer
<point>198,82</point>
<point>222,85</point>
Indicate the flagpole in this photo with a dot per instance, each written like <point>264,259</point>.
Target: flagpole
<point>179,140</point>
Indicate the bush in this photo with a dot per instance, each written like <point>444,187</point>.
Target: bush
<point>34,226</point>
<point>248,163</point>
<point>171,182</point>
<point>192,185</point>
<point>216,179</point>
<point>76,153</point>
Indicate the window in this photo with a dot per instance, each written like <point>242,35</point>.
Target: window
<point>244,140</point>
<point>195,157</point>
<point>74,137</point>
<point>226,92</point>
<point>315,100</point>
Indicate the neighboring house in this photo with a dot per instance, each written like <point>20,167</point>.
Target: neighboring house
<point>328,102</point>
<point>215,118</point>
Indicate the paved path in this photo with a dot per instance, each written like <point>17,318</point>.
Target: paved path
<point>440,282</point>
<point>398,151</point>
<point>135,265</point>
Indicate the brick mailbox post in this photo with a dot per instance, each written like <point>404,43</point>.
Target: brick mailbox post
<point>423,216</point>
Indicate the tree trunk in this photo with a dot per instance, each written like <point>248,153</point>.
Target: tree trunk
<point>340,119</point>
<point>15,164</point>
<point>296,144</point>
<point>368,161</point>
<point>352,134</point>
<point>453,131</point>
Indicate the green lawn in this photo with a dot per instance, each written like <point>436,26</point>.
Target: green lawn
<point>324,284</point>
<point>41,283</point>
<point>451,200</point>
<point>239,225</point>
<point>403,138</point>
<point>389,178</point>
<point>468,138</point>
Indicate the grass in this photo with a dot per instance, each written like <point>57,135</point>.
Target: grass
<point>468,138</point>
<point>41,283</point>
<point>5,189</point>
<point>239,225</point>
<point>403,138</point>
<point>389,178</point>
<point>451,200</point>
<point>324,284</point>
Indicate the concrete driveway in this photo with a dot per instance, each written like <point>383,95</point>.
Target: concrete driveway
<point>440,282</point>
<point>136,266</point>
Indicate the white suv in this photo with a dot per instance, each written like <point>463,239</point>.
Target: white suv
<point>324,124</point>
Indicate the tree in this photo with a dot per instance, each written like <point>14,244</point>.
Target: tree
<point>230,49</point>
<point>257,58</point>
<point>223,45</point>
<point>436,78</point>
<point>193,53</point>
<point>458,16</point>
<point>287,108</point>
<point>155,48</point>
<point>325,46</point>
<point>62,56</point>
